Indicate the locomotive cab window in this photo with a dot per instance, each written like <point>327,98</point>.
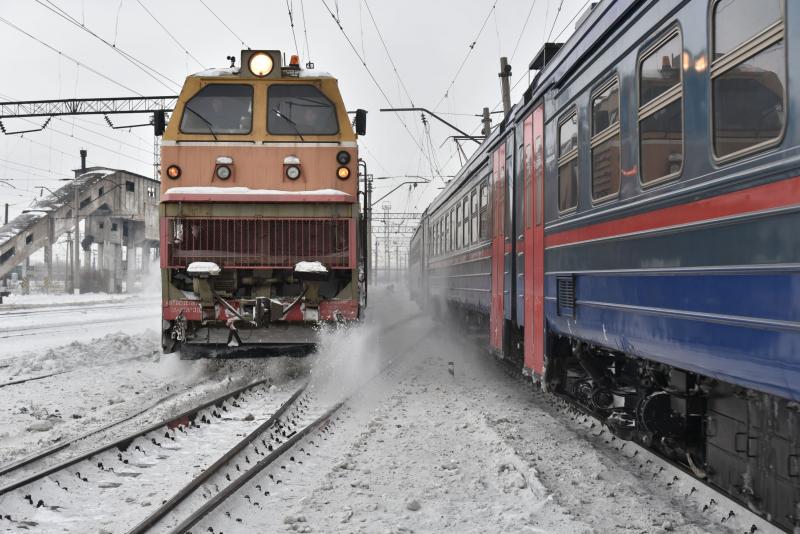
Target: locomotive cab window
<point>748,76</point>
<point>605,142</point>
<point>568,162</point>
<point>661,111</point>
<point>219,109</point>
<point>300,110</point>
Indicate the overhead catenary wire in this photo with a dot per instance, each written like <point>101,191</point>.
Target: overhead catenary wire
<point>139,64</point>
<point>469,52</point>
<point>291,25</point>
<point>223,23</point>
<point>169,33</point>
<point>522,32</point>
<point>305,32</point>
<point>371,75</point>
<point>56,50</point>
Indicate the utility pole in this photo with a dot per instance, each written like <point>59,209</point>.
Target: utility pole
<point>76,243</point>
<point>487,123</point>
<point>397,261</point>
<point>505,74</point>
<point>68,264</point>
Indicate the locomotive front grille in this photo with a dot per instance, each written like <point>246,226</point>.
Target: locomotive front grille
<point>257,243</point>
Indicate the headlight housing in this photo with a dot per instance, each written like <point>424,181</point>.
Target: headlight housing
<point>223,172</point>
<point>343,157</point>
<point>174,172</point>
<point>343,173</point>
<point>292,172</point>
<point>260,64</point>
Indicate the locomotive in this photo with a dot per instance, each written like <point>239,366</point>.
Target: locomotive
<point>626,237</point>
<point>262,234</point>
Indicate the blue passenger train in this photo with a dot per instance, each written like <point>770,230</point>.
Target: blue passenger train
<point>629,236</point>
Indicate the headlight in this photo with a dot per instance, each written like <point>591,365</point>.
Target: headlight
<point>223,172</point>
<point>260,64</point>
<point>343,173</point>
<point>343,157</point>
<point>293,172</point>
<point>174,172</point>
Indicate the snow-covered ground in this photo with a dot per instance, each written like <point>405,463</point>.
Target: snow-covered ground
<point>40,322</point>
<point>442,441</point>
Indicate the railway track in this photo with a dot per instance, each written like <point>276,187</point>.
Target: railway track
<point>116,472</point>
<point>681,483</point>
<point>88,476</point>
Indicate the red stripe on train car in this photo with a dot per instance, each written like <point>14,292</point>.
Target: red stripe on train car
<point>770,196</point>
<point>252,197</point>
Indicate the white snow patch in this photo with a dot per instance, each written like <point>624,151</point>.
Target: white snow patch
<point>204,190</point>
<point>211,73</point>
<point>313,73</point>
<point>204,267</point>
<point>310,267</point>
<point>51,299</point>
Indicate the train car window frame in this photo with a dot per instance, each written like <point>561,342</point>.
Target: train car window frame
<point>746,50</point>
<point>660,102</point>
<point>483,206</point>
<point>605,135</point>
<point>474,212</point>
<point>459,232</point>
<point>208,129</point>
<point>465,220</point>
<point>567,158</point>
<point>299,132</point>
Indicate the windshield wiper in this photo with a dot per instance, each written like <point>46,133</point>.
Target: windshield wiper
<point>290,121</point>
<point>205,120</point>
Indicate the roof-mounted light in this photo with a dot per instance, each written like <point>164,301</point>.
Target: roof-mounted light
<point>260,64</point>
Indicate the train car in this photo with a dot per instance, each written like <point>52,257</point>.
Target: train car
<point>262,233</point>
<point>646,245</point>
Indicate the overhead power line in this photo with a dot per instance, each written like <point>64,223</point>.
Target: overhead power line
<point>291,25</point>
<point>175,39</point>
<point>469,52</point>
<point>372,77</point>
<point>389,55</point>
<point>139,64</point>
<point>223,23</point>
<point>56,50</point>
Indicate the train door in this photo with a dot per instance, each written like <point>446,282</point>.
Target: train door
<point>533,162</point>
<point>496,315</point>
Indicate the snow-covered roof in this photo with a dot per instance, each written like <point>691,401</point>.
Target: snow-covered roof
<point>205,190</point>
<point>211,73</point>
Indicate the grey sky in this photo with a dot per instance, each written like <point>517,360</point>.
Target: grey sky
<point>427,40</point>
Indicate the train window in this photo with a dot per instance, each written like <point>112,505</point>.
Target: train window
<point>300,110</point>
<point>605,142</point>
<point>484,223</point>
<point>661,111</point>
<point>465,222</point>
<point>660,70</point>
<point>451,231</point>
<point>459,231</point>
<point>748,76</point>
<point>736,21</point>
<point>219,109</point>
<point>474,213</point>
<point>568,162</point>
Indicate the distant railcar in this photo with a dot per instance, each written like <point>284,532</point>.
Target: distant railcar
<point>262,235</point>
<point>638,250</point>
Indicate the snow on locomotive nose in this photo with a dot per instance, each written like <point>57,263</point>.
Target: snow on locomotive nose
<point>263,235</point>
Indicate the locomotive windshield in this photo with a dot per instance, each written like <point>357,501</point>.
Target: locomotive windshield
<point>219,109</point>
<point>300,109</point>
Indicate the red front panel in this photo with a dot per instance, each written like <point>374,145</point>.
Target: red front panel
<point>257,243</point>
<point>496,320</point>
<point>533,141</point>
